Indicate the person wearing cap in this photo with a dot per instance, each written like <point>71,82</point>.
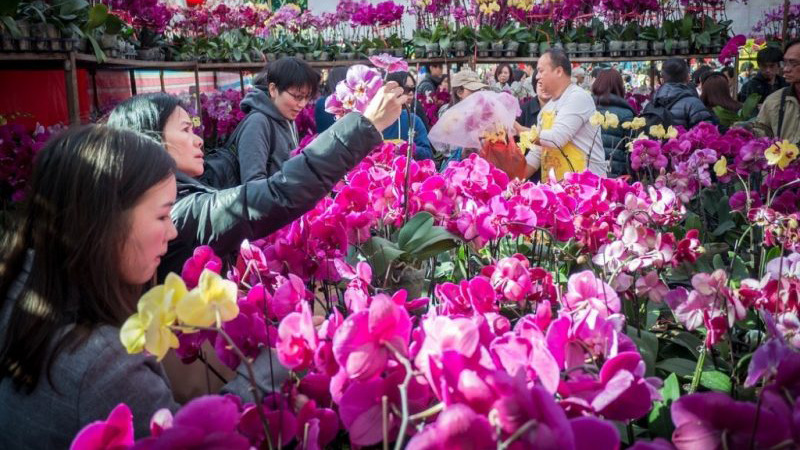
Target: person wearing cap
<point>464,83</point>
<point>579,78</point>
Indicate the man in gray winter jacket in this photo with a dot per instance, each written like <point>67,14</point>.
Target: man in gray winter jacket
<point>268,134</point>
<point>685,107</point>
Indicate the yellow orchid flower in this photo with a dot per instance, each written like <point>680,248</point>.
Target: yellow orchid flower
<point>658,131</point>
<point>213,299</point>
<point>611,120</point>
<point>671,132</point>
<point>597,119</point>
<point>149,329</point>
<point>781,154</point>
<point>196,122</point>
<point>721,167</point>
<point>527,138</point>
<point>638,122</point>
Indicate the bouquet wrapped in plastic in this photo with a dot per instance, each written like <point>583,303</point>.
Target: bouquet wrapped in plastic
<point>465,124</point>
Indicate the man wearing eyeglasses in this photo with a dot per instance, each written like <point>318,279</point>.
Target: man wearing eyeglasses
<point>780,115</point>
<point>266,136</point>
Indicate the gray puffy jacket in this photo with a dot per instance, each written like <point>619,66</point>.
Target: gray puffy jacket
<point>222,219</point>
<point>687,111</point>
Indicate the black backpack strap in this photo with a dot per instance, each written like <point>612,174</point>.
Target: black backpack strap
<point>782,110</point>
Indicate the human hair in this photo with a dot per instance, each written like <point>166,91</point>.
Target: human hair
<point>716,92</point>
<point>335,75</point>
<point>288,72</point>
<point>430,66</point>
<point>674,70</point>
<point>728,71</point>
<point>398,77</point>
<point>770,54</point>
<point>517,75</point>
<point>499,69</point>
<point>558,58</point>
<point>608,82</point>
<point>69,238</point>
<point>747,66</point>
<point>789,45</point>
<point>699,75</point>
<point>145,113</point>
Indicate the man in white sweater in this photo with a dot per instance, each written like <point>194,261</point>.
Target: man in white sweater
<point>566,141</point>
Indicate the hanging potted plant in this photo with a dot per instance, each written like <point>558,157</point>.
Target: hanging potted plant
<point>684,28</point>
<point>486,35</point>
<point>629,41</point>
<point>598,47</point>
<point>614,35</point>
<point>547,31</point>
<point>514,38</point>
<point>656,38</point>
<point>463,40</point>
<point>569,38</point>
<point>583,37</point>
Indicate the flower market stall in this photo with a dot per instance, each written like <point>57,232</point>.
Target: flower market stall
<point>458,307</point>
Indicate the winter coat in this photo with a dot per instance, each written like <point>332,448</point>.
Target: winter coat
<point>613,138</point>
<point>222,219</point>
<point>689,110</point>
<point>767,122</point>
<point>265,137</point>
<point>759,85</point>
<point>399,130</point>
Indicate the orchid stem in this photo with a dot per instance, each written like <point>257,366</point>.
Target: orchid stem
<point>403,395</point>
<point>435,409</point>
<point>517,434</point>
<point>385,416</point>
<point>698,370</point>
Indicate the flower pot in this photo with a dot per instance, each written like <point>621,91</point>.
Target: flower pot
<point>683,47</point>
<point>544,46</point>
<point>615,48</point>
<point>69,44</point>
<point>308,56</point>
<point>641,47</point>
<point>533,49</point>
<point>148,54</point>
<point>584,48</point>
<point>347,56</point>
<point>108,41</point>
<point>460,48</point>
<point>24,42</point>
<point>716,45</point>
<point>300,55</point>
<point>374,51</point>
<point>419,51</point>
<point>629,48</point>
<point>482,49</point>
<point>399,52</point>
<point>598,48</point>
<point>658,48</point>
<point>6,41</point>
<point>497,49</point>
<point>571,48</point>
<point>432,50</point>
<point>512,46</point>
<point>558,45</point>
<point>324,56</point>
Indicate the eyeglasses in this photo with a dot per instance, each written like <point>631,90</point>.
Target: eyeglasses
<point>790,63</point>
<point>299,98</point>
<point>409,89</point>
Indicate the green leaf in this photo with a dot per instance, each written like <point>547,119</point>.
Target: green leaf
<point>659,420</point>
<point>703,38</point>
<point>750,105</point>
<point>715,381</point>
<point>381,253</point>
<point>97,16</point>
<point>679,366</point>
<point>653,313</point>
<point>412,226</point>
<point>9,7</point>
<point>647,343</point>
<point>723,227</point>
<point>693,221</point>
<point>773,253</point>
<point>98,52</point>
<point>70,7</point>
<point>718,262</point>
<point>9,23</point>
<point>688,341</point>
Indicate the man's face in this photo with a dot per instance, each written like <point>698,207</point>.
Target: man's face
<point>769,70</point>
<point>579,78</point>
<point>791,64</point>
<point>437,71</point>
<point>547,74</point>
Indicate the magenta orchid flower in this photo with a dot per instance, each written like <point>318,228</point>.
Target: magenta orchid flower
<point>586,292</point>
<point>389,63</point>
<point>361,344</point>
<point>116,432</point>
<point>202,258</point>
<point>458,428</point>
<point>297,339</point>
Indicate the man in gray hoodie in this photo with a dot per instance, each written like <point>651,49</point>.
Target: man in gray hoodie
<point>266,136</point>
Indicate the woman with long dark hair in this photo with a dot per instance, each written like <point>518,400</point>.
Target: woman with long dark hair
<point>93,230</point>
<point>715,91</point>
<point>608,90</point>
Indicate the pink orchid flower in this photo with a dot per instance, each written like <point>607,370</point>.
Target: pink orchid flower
<point>114,433</point>
<point>389,63</point>
<point>586,291</point>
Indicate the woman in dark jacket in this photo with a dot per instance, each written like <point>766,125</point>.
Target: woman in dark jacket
<point>266,136</point>
<point>715,91</point>
<point>324,119</point>
<point>222,219</point>
<point>609,96</point>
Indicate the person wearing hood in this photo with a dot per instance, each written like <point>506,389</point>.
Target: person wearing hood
<point>685,107</point>
<point>266,136</point>
<point>608,90</point>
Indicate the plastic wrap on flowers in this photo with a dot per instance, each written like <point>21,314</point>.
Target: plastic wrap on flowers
<point>464,124</point>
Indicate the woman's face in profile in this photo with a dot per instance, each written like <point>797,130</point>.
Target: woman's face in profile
<point>185,147</point>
